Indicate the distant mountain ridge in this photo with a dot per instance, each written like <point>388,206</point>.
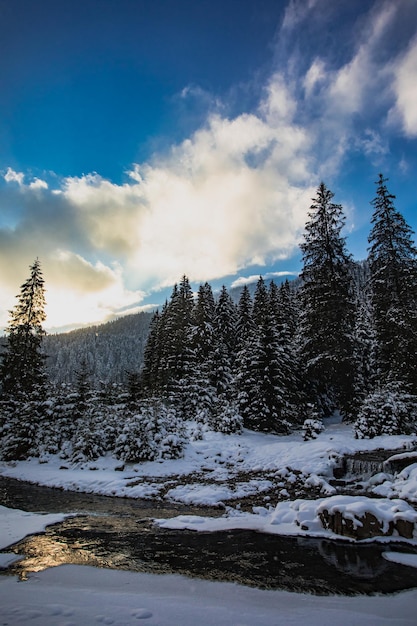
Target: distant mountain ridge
<point>109,349</point>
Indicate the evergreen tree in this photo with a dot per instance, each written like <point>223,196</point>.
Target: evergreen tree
<point>263,369</point>
<point>245,324</point>
<point>225,347</point>
<point>151,373</point>
<point>327,307</point>
<point>22,371</point>
<point>176,367</point>
<point>393,283</point>
<point>200,381</point>
<point>226,321</point>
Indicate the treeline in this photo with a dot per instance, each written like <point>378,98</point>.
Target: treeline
<point>109,350</point>
<point>343,338</point>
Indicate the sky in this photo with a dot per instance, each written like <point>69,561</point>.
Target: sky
<point>142,140</point>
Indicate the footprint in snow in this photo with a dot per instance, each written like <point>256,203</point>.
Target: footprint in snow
<point>141,614</point>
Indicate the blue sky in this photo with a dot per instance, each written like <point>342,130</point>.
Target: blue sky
<point>140,140</point>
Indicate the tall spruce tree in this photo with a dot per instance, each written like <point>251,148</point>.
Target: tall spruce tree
<point>22,371</point>
<point>327,307</point>
<point>393,283</point>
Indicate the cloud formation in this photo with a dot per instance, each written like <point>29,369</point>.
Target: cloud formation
<point>233,194</point>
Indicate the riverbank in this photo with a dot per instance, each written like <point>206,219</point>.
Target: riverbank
<point>239,471</point>
<point>87,595</point>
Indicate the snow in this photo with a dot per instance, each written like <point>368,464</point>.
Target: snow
<point>399,557</point>
<point>14,524</point>
<point>299,517</point>
<point>403,485</point>
<point>84,596</point>
<point>219,458</point>
<point>80,595</point>
<point>76,595</point>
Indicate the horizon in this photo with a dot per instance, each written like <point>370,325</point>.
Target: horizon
<point>141,142</point>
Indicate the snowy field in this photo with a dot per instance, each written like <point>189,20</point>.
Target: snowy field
<point>84,596</point>
<point>73,595</point>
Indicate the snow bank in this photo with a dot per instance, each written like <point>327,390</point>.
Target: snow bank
<point>80,596</point>
<point>404,485</point>
<point>302,517</point>
<point>15,524</point>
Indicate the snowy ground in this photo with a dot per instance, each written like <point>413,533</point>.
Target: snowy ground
<point>84,596</point>
<point>215,470</point>
<point>223,468</point>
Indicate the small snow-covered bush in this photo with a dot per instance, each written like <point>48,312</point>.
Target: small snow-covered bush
<point>226,418</point>
<point>134,444</point>
<point>312,428</point>
<point>386,411</point>
<point>154,432</point>
<point>88,441</point>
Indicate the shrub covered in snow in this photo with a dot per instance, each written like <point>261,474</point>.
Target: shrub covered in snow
<point>312,428</point>
<point>387,411</point>
<point>18,430</point>
<point>154,432</point>
<point>226,418</point>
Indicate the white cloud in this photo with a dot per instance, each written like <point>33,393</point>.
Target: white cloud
<point>247,280</point>
<point>364,74</point>
<point>233,194</point>
<point>405,89</point>
<point>297,11</point>
<point>38,183</point>
<point>12,176</point>
<point>315,76</point>
<point>372,143</point>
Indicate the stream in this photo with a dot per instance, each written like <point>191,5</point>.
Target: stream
<point>118,533</point>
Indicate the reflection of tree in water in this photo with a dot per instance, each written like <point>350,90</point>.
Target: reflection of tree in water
<point>357,561</point>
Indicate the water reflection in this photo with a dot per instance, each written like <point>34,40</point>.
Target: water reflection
<point>250,558</point>
<point>118,533</point>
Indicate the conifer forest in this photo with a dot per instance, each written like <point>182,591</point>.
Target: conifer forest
<point>341,338</point>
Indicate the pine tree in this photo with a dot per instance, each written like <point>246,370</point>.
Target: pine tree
<point>203,341</point>
<point>245,358</point>
<point>22,371</point>
<point>393,284</point>
<point>263,371</point>
<point>226,321</point>
<point>327,307</point>
<point>151,371</point>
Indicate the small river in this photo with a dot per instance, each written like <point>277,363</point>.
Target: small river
<point>118,533</point>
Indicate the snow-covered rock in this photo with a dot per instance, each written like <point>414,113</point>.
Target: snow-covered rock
<point>364,518</point>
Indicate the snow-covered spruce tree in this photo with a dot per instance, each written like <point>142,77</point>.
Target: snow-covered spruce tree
<point>327,307</point>
<point>134,386</point>
<point>88,439</point>
<point>176,365</point>
<point>226,321</point>
<point>365,350</point>
<point>389,410</point>
<point>393,285</point>
<point>203,342</point>
<point>22,370</point>
<point>151,371</point>
<point>262,370</point>
<point>284,316</point>
<point>243,369</point>
<point>153,432</point>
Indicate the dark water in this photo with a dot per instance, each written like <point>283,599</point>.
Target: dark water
<point>118,533</point>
